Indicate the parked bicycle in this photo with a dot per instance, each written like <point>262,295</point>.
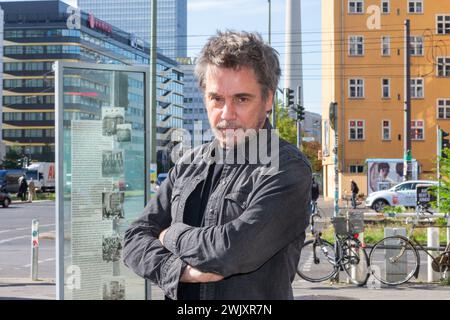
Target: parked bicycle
<point>395,260</point>
<point>321,260</point>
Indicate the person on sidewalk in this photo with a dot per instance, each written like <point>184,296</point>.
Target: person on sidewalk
<point>23,188</point>
<point>355,190</point>
<point>314,195</point>
<point>228,229</point>
<point>31,190</point>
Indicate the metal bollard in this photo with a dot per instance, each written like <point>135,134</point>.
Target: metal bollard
<point>448,228</point>
<point>432,242</point>
<point>34,249</point>
<point>399,270</point>
<point>359,271</point>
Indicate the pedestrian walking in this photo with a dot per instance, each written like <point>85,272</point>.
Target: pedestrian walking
<point>314,195</point>
<point>355,190</point>
<point>31,190</point>
<point>23,188</point>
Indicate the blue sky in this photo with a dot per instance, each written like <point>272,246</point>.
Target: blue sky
<point>207,16</point>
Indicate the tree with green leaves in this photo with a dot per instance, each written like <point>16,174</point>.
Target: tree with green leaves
<point>287,128</point>
<point>11,160</point>
<point>443,191</point>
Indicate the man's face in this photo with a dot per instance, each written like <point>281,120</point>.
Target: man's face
<point>234,103</point>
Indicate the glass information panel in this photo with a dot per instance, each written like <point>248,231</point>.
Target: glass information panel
<point>101,121</point>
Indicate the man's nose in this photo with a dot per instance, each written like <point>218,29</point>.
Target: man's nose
<point>228,111</point>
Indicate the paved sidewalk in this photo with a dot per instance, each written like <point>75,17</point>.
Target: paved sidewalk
<point>304,290</point>
<point>25,289</point>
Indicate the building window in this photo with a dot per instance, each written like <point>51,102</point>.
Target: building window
<point>417,89</point>
<point>417,130</point>
<point>386,129</point>
<point>416,46</point>
<point>34,50</point>
<point>14,50</point>
<point>415,6</point>
<point>443,66</point>
<point>356,88</point>
<point>385,6</point>
<point>12,116</point>
<point>356,6</point>
<point>443,109</point>
<point>356,169</point>
<point>443,24</point>
<point>34,133</point>
<point>385,46</point>
<point>356,45</point>
<point>385,88</point>
<point>12,133</point>
<point>356,129</point>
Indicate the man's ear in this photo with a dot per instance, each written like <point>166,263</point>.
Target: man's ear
<point>269,101</point>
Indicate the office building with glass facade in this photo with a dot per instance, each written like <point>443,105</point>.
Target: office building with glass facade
<point>195,117</point>
<point>37,34</point>
<point>134,17</point>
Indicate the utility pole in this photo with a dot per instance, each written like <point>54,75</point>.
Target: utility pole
<point>407,146</point>
<point>152,121</point>
<point>274,115</point>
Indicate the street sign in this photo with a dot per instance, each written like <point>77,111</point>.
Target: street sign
<point>423,195</point>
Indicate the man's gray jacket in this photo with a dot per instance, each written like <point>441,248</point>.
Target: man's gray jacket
<point>254,225</point>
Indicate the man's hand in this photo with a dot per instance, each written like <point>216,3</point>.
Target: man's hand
<point>193,275</point>
<point>161,235</point>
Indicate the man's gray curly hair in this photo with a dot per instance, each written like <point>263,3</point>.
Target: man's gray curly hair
<point>231,49</point>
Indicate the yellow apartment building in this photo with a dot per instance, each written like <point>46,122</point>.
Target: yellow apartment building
<point>363,60</point>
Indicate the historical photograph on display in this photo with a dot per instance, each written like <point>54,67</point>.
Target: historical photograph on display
<point>113,288</point>
<point>112,205</point>
<point>123,132</point>
<point>112,163</point>
<point>111,118</point>
<point>111,248</point>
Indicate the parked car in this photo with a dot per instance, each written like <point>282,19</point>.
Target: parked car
<point>403,194</point>
<point>5,199</point>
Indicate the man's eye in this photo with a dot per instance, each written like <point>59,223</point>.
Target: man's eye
<point>243,100</point>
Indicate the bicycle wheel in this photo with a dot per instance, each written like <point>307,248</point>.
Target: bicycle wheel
<point>317,261</point>
<point>355,261</point>
<point>393,260</point>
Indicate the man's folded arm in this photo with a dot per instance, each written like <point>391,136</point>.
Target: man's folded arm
<point>277,215</point>
<point>144,253</point>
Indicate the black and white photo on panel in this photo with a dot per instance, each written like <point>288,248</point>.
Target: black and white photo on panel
<point>111,118</point>
<point>123,132</point>
<point>113,288</point>
<point>112,163</point>
<point>111,248</point>
<point>113,205</point>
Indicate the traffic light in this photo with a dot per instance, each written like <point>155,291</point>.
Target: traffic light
<point>300,113</point>
<point>289,98</point>
<point>445,143</point>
